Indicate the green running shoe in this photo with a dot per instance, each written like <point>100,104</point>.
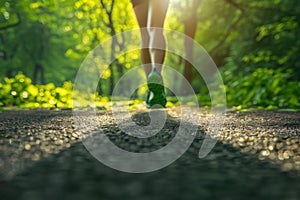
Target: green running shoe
<point>156,94</point>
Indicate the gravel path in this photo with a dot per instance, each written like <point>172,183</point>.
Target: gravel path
<point>256,157</point>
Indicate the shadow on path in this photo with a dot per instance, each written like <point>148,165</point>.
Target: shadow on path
<point>225,173</point>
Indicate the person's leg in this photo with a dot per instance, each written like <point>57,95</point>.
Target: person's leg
<point>156,17</point>
<point>141,13</point>
<point>152,13</point>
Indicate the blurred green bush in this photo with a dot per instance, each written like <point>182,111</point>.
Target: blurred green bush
<point>19,91</point>
<point>263,88</point>
<point>266,88</point>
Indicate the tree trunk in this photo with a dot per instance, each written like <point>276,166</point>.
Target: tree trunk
<point>9,73</point>
<point>190,27</point>
<point>111,80</point>
<point>112,31</point>
<point>38,68</point>
<point>190,30</point>
<point>99,88</point>
<point>120,69</point>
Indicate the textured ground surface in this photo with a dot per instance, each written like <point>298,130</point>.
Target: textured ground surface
<point>256,157</point>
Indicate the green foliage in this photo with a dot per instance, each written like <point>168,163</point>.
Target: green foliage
<point>19,91</point>
<point>264,88</point>
<point>267,88</point>
<point>240,35</point>
<point>58,35</point>
<point>267,36</point>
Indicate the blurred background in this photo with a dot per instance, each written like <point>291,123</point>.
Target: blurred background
<point>254,43</point>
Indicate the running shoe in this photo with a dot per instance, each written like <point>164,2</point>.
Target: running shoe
<point>156,94</point>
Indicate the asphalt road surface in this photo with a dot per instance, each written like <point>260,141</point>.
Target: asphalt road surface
<point>42,157</point>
